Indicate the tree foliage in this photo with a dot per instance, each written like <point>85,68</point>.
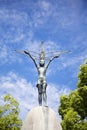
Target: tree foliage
<point>9,114</point>
<point>73,107</point>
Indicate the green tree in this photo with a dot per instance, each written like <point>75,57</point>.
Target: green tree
<point>73,107</point>
<point>9,114</point>
<point>82,76</point>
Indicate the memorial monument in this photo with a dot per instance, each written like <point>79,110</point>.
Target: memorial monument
<point>42,117</point>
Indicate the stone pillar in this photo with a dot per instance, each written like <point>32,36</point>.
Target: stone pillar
<point>41,118</point>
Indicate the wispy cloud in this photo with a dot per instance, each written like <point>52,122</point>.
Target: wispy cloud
<point>8,54</point>
<point>13,24</point>
<point>43,12</point>
<point>13,17</point>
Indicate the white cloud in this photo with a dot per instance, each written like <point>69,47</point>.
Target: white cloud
<point>78,54</point>
<point>13,24</point>
<point>55,13</point>
<point>26,93</point>
<point>13,17</point>
<point>8,54</point>
<point>42,13</point>
<point>3,51</point>
<point>45,5</point>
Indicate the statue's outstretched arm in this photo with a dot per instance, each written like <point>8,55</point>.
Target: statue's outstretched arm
<point>27,53</point>
<point>51,59</point>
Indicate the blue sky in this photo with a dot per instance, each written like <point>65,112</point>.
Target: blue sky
<point>62,25</point>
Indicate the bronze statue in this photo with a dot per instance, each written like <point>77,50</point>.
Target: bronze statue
<point>42,69</point>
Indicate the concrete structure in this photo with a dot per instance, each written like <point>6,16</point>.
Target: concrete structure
<point>41,118</point>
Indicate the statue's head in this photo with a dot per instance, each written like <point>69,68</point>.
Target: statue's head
<point>42,62</point>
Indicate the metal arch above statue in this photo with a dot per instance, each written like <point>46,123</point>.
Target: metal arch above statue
<point>42,69</point>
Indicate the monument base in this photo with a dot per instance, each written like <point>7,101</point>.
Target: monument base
<point>41,118</point>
